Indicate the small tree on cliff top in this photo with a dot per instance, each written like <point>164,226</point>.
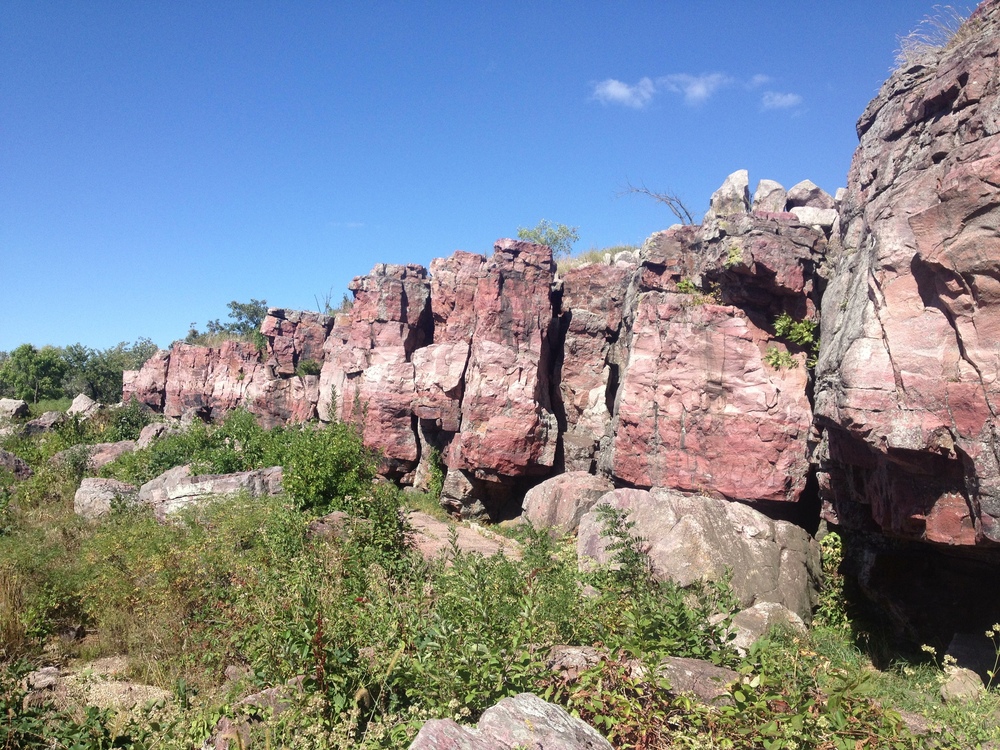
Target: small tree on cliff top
<point>559,237</point>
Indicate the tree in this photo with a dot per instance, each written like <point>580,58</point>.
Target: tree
<point>99,373</point>
<point>668,198</point>
<point>559,237</point>
<point>34,374</point>
<point>246,316</point>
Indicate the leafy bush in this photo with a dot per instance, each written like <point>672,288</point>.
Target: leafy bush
<point>328,468</point>
<point>779,359</point>
<point>308,367</point>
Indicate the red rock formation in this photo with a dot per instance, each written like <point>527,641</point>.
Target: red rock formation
<point>508,427</point>
<point>699,410</point>
<point>908,386</point>
<point>294,337</point>
<point>593,303</point>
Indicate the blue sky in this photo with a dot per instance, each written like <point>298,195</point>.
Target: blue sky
<point>159,159</point>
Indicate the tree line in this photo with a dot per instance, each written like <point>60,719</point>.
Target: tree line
<point>50,372</point>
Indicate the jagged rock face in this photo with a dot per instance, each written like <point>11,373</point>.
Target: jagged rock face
<point>907,382</point>
<point>294,337</point>
<point>700,411</point>
<point>508,426</point>
<point>594,300</point>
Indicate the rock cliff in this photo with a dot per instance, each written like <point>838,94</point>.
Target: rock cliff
<point>666,367</point>
<point>651,368</point>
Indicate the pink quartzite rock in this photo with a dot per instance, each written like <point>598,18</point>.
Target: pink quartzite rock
<point>368,376</point>
<point>560,502</point>
<point>149,384</point>
<point>202,376</point>
<point>508,427</point>
<point>908,381</point>
<point>594,297</point>
<point>293,337</point>
<point>699,410</point>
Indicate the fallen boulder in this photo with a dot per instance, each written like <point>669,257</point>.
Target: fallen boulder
<point>176,488</point>
<point>693,538</point>
<point>83,406</point>
<point>13,408</point>
<point>560,502</point>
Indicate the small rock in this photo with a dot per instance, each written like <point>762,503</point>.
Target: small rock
<point>522,721</point>
<point>809,194</point>
<point>704,680</point>
<point>769,197</point>
<point>823,218</point>
<point>753,623</point>
<point>733,197</point>
<point>42,679</point>
<point>571,661</point>
<point>48,422</point>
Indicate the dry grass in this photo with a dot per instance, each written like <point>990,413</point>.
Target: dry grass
<point>943,29</point>
<point>594,255</point>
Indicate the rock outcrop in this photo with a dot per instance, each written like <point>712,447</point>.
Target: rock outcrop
<point>907,382</point>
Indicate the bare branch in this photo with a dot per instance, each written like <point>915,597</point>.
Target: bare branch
<point>670,199</point>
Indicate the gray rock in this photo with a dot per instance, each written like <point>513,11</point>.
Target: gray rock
<point>569,662</point>
<point>809,194</point>
<point>702,679</point>
<point>560,502</point>
<point>961,685</point>
<point>48,422</point>
<point>13,408</point>
<point>770,197</point>
<point>176,489</point>
<point>84,406</point>
<point>95,497</point>
<point>823,218</point>
<point>522,721</point>
<point>696,538</point>
<point>733,197</point>
<point>753,623</point>
<point>42,679</point>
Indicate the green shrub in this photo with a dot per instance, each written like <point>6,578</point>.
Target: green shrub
<point>779,359</point>
<point>328,468</point>
<point>308,367</point>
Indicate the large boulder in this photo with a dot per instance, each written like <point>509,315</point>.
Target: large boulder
<point>83,406</point>
<point>521,721</point>
<point>176,488</point>
<point>560,502</point>
<point>98,454</point>
<point>96,497</point>
<point>13,408</point>
<point>693,538</point>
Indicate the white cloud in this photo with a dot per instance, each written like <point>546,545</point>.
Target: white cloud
<point>774,100</point>
<point>696,89</point>
<point>758,80</point>
<point>611,91</point>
